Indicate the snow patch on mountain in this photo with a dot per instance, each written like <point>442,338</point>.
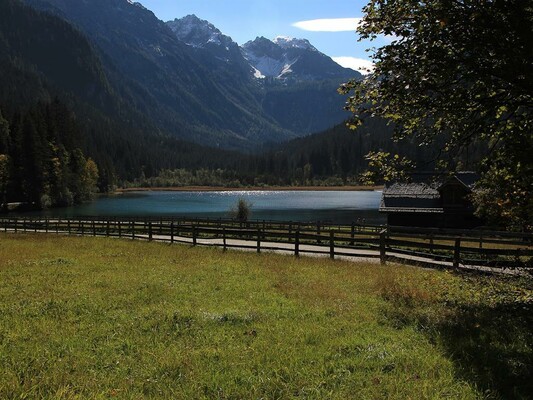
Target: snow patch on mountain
<point>137,4</point>
<point>277,58</point>
<point>258,74</point>
<point>286,70</point>
<point>286,42</point>
<point>267,66</point>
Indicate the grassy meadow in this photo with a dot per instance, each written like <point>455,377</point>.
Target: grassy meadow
<point>97,318</point>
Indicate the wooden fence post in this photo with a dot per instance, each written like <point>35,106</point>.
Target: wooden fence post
<point>352,234</point>
<point>297,243</point>
<point>318,241</point>
<point>68,226</point>
<point>259,240</point>
<point>194,235</point>
<point>119,228</point>
<point>331,245</point>
<point>24,224</point>
<point>383,246</point>
<point>224,238</point>
<point>94,227</point>
<point>172,232</point>
<point>46,224</point>
<point>15,225</point>
<point>107,228</point>
<point>132,229</point>
<point>457,253</point>
<point>150,231</point>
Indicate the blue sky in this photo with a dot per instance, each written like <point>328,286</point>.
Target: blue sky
<point>328,24</point>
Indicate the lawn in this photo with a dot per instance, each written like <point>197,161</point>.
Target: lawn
<point>97,318</point>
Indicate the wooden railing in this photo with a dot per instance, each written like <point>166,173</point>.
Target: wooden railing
<point>444,247</point>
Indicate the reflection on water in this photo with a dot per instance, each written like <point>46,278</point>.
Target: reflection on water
<point>331,206</point>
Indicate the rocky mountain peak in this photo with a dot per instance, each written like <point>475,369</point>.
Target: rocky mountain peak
<point>286,42</point>
<point>287,58</point>
<point>262,47</point>
<point>198,32</point>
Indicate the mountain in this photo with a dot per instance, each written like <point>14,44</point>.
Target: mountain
<point>216,51</point>
<point>53,48</point>
<point>167,79</point>
<point>297,84</point>
<point>294,59</point>
<point>45,60</point>
<point>192,81</point>
<point>283,58</point>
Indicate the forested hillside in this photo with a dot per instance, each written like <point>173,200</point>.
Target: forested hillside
<point>46,64</point>
<point>336,156</point>
<point>170,83</point>
<point>41,162</point>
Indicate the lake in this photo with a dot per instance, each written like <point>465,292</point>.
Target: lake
<point>326,206</point>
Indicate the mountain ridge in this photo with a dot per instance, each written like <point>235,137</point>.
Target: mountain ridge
<point>266,58</point>
<point>207,94</point>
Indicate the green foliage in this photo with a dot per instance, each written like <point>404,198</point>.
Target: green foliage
<point>242,210</point>
<point>42,164</point>
<point>4,179</point>
<point>505,194</point>
<point>458,71</point>
<point>334,157</point>
<point>384,167</point>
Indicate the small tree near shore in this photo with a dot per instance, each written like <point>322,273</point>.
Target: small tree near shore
<point>241,211</point>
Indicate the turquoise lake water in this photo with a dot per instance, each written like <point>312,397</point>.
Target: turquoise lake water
<point>330,206</point>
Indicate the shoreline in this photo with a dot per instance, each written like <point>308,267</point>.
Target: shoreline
<point>252,188</point>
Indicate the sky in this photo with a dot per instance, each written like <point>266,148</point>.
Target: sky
<point>328,24</point>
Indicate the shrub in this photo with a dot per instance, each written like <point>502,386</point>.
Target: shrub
<point>45,202</point>
<point>242,210</point>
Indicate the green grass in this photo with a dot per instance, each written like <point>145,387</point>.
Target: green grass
<point>107,318</point>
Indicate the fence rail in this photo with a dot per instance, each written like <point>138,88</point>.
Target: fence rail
<point>438,247</point>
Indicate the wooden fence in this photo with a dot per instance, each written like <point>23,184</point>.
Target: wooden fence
<point>454,248</point>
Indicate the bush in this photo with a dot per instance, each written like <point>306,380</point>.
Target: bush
<point>242,210</point>
<point>45,202</point>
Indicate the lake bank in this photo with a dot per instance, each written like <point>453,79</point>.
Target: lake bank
<point>253,188</point>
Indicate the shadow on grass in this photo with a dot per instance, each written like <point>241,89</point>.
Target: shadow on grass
<point>492,347</point>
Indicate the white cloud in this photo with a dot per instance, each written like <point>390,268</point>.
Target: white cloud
<point>359,64</point>
<point>329,25</point>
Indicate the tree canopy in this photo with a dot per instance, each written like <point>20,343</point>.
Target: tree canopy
<point>41,162</point>
<point>460,72</point>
